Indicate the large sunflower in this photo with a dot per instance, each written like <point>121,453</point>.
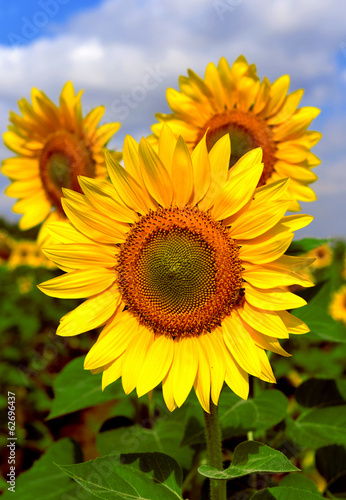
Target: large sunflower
<point>183,263</point>
<point>53,145</point>
<point>254,114</point>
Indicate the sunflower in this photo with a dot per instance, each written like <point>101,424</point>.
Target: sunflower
<point>28,253</point>
<point>337,307</point>
<point>255,114</point>
<point>53,146</point>
<point>322,256</point>
<point>182,260</point>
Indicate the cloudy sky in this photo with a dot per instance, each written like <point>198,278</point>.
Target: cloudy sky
<point>109,47</point>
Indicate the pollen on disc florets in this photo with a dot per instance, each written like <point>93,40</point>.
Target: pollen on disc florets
<point>247,131</point>
<point>63,158</point>
<point>179,272</point>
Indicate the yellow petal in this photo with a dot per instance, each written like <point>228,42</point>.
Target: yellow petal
<point>237,192</point>
<point>298,123</point>
<point>91,314</point>
<point>255,221</point>
<point>294,325</point>
<point>81,255</point>
<point>201,170</point>
<point>156,364</point>
<point>112,345</point>
<point>202,381</point>
<point>268,276</point>
<point>100,198</point>
<point>265,248</point>
<point>104,133</point>
<point>36,209</point>
<point>272,299</point>
<point>134,358</point>
<point>65,232</point>
<point>240,344</point>
<point>155,175</point>
<point>112,372</point>
<point>184,368</point>
<point>23,188</point>
<point>79,284</point>
<point>92,119</point>
<point>267,322</point>
<point>94,224</point>
<point>266,370</point>
<point>182,174</point>
<point>212,346</point>
<point>126,186</point>
<point>167,144</point>
<point>219,162</point>
<point>277,95</point>
<point>20,168</point>
<point>236,378</point>
<point>167,391</point>
<point>289,107</point>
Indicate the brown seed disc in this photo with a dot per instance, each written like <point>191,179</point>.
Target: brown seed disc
<point>247,131</point>
<point>63,158</point>
<point>179,272</point>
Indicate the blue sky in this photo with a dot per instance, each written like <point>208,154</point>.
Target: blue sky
<point>109,47</point>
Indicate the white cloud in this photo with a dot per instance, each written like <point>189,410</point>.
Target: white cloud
<point>107,51</point>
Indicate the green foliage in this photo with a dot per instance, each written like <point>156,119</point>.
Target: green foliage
<point>75,389</point>
<point>148,452</point>
<point>146,476</point>
<point>248,458</point>
<point>300,247</point>
<point>285,493</point>
<point>44,480</point>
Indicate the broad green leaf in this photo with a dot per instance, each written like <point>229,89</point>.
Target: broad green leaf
<point>164,436</point>
<point>315,314</point>
<point>319,427</point>
<point>237,416</point>
<point>285,493</point>
<point>44,479</point>
<point>144,476</point>
<point>300,247</point>
<point>299,481</point>
<point>315,392</point>
<point>76,388</point>
<point>331,464</point>
<point>248,458</point>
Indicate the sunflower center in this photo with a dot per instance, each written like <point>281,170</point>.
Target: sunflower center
<point>63,158</point>
<point>247,131</point>
<point>179,272</point>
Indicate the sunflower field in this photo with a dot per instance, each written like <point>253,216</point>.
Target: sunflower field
<point>165,331</point>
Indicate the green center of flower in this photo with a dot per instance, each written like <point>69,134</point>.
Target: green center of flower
<point>63,158</point>
<point>179,272</point>
<point>247,131</point>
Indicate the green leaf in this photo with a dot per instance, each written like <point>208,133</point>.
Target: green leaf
<point>144,476</point>
<point>76,388</point>
<point>237,416</point>
<point>315,392</point>
<point>331,464</point>
<point>299,247</point>
<point>285,493</point>
<point>248,458</point>
<point>319,427</point>
<point>299,481</point>
<point>315,314</point>
<point>164,436</point>
<point>44,479</point>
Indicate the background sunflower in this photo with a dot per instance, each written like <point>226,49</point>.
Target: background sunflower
<point>54,144</point>
<point>232,100</point>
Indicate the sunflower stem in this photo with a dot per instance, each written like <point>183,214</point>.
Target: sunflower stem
<point>214,450</point>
